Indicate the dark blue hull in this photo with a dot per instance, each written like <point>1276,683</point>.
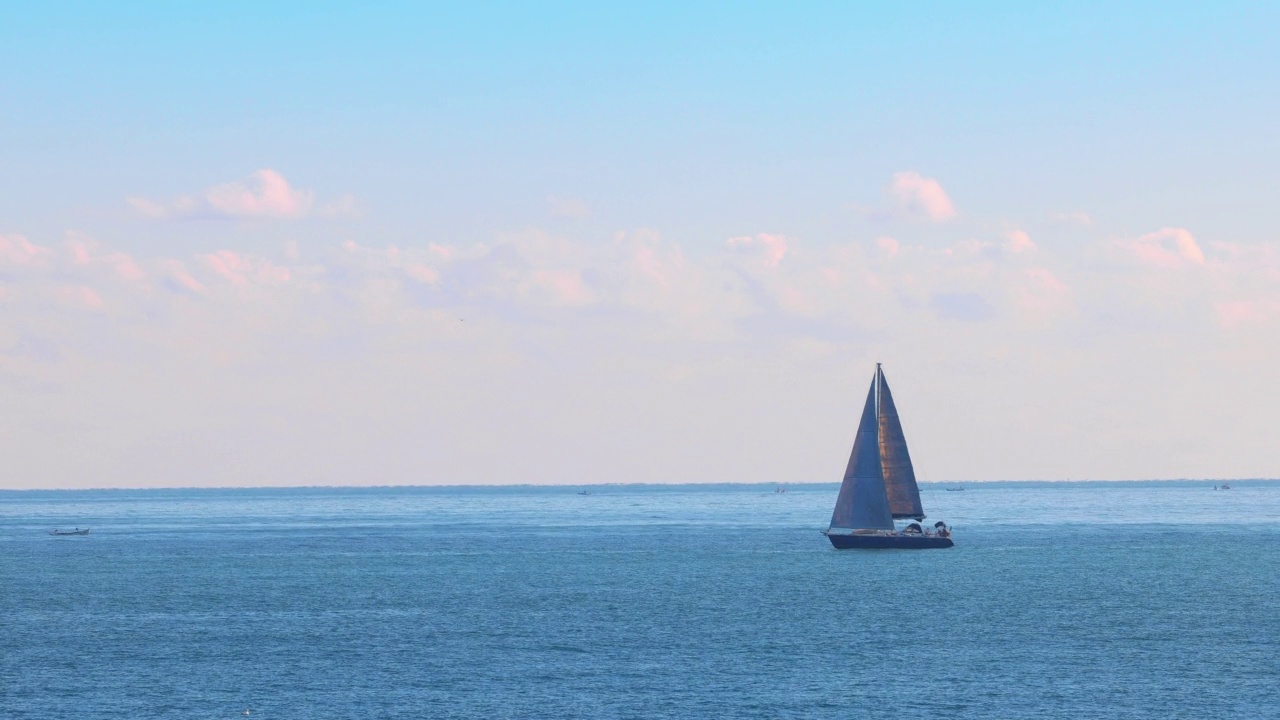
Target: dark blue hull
<point>889,542</point>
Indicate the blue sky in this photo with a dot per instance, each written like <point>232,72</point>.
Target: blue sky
<point>682,232</point>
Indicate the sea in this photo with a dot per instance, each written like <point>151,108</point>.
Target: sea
<point>1059,600</point>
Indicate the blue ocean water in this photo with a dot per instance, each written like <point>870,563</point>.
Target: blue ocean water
<point>1118,600</point>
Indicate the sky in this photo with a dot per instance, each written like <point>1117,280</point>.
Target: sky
<point>249,244</point>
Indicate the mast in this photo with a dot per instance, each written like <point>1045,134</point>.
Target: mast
<point>878,378</point>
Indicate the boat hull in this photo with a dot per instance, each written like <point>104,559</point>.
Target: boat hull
<point>889,542</point>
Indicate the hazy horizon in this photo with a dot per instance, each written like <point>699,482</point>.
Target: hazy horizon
<point>833,485</point>
<point>245,245</point>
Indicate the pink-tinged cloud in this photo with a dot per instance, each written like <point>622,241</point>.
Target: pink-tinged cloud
<point>1046,281</point>
<point>240,270</point>
<point>1018,241</point>
<point>567,207</point>
<point>654,265</point>
<point>85,252</point>
<point>921,196</point>
<point>442,251</point>
<point>17,250</point>
<point>177,272</point>
<point>1167,247</point>
<point>1246,312</point>
<point>423,273</point>
<point>889,246</point>
<point>773,246</point>
<point>566,286</point>
<point>1041,292</point>
<point>81,251</point>
<point>125,266</point>
<point>148,208</point>
<point>230,266</point>
<point>265,194</point>
<point>80,296</point>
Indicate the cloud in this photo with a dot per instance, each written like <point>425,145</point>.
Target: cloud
<point>424,274</point>
<point>80,296</point>
<point>17,250</point>
<point>148,208</point>
<point>1017,241</point>
<point>85,252</point>
<point>242,270</point>
<point>265,194</point>
<point>1236,313</point>
<point>565,286</point>
<point>918,196</point>
<point>176,273</point>
<point>1042,292</point>
<point>567,207</point>
<point>889,246</point>
<point>774,246</point>
<point>1167,247</point>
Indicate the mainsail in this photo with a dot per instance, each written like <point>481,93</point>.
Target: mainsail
<point>863,503</point>
<point>899,476</point>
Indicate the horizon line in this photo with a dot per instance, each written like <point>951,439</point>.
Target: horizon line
<point>495,486</point>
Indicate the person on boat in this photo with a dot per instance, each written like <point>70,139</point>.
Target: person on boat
<point>943,530</point>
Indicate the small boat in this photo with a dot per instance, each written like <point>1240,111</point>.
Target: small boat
<point>584,492</point>
<point>880,485</point>
<point>77,531</point>
<point>955,489</point>
<point>1226,486</point>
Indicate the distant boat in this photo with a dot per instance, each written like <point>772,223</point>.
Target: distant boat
<point>880,485</point>
<point>960,489</point>
<point>1226,486</point>
<point>584,492</point>
<point>77,531</point>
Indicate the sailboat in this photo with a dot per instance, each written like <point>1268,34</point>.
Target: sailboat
<point>880,485</point>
